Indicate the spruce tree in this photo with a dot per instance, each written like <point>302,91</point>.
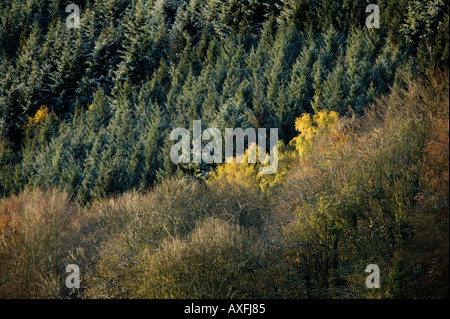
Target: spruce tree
<point>335,89</point>
<point>300,90</point>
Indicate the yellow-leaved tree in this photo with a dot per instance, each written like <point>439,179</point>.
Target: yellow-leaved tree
<point>41,115</point>
<point>247,175</point>
<point>322,124</point>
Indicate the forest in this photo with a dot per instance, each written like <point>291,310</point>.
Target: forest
<point>86,176</point>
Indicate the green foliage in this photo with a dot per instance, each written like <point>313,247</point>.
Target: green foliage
<point>90,111</point>
<point>7,165</point>
<point>426,27</point>
<point>232,64</point>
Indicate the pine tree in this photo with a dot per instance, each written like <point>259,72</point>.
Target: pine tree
<point>426,22</point>
<point>262,113</point>
<point>139,59</point>
<point>10,111</point>
<point>30,74</point>
<point>7,162</point>
<point>160,84</point>
<point>91,170</point>
<point>336,89</point>
<point>300,90</point>
<point>286,49</point>
<point>64,50</point>
<point>212,99</point>
<point>360,59</point>
<point>148,153</point>
<point>329,52</point>
<point>99,112</point>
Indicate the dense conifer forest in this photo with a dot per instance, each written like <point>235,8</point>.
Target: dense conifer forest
<point>86,175</point>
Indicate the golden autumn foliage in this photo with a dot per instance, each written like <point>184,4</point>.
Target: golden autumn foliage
<point>247,175</point>
<point>322,131</point>
<point>41,116</point>
<point>374,189</point>
<point>311,127</point>
<point>348,192</point>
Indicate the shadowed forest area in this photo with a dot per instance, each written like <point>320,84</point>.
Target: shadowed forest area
<point>86,176</point>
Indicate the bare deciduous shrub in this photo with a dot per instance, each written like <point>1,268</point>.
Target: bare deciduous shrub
<point>136,233</point>
<point>37,235</point>
<point>215,261</point>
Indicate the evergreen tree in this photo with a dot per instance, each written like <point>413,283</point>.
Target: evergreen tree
<point>329,52</point>
<point>285,51</point>
<point>361,50</point>
<point>300,89</point>
<point>336,90</point>
<point>7,162</point>
<point>139,59</point>
<point>136,69</point>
